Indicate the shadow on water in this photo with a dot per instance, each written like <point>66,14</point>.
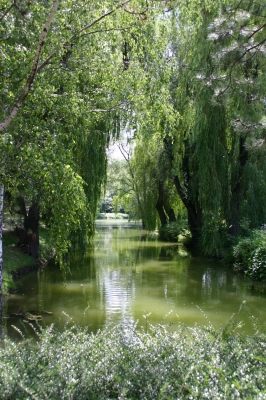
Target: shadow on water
<point>129,274</point>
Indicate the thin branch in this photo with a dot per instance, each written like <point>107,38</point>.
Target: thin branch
<point>6,12</point>
<point>66,44</point>
<point>33,72</point>
<point>107,30</point>
<point>124,152</point>
<point>238,61</point>
<point>35,69</point>
<point>132,12</point>
<point>256,31</point>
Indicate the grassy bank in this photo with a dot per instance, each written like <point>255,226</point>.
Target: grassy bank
<point>14,260</point>
<point>189,363</point>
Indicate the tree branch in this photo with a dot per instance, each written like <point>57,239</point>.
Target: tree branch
<point>34,69</point>
<point>66,44</point>
<point>6,12</point>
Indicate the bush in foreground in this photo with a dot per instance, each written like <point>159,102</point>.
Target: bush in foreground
<point>123,363</point>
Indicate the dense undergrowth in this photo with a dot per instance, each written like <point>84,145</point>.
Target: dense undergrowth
<point>177,231</point>
<point>249,255</point>
<point>125,363</point>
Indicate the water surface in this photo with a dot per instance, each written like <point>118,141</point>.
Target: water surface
<point>130,276</point>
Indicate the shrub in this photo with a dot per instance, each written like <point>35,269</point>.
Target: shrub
<point>123,363</point>
<point>250,255</point>
<point>174,230</point>
<point>257,268</point>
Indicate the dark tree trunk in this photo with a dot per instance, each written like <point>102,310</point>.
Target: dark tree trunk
<point>33,225</point>
<point>159,205</point>
<point>234,227</point>
<point>234,222</point>
<point>22,210</point>
<point>169,211</point>
<point>195,224</point>
<point>29,236</point>
<point>193,207</point>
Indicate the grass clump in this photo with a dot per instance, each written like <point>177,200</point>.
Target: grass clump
<point>124,363</point>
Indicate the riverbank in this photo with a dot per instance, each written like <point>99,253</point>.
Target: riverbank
<point>16,262</point>
<point>125,363</point>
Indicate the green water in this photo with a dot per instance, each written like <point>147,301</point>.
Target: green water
<point>130,276</point>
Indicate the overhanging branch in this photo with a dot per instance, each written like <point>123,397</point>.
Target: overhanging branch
<point>34,68</point>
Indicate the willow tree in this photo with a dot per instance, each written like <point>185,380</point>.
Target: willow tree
<point>205,99</point>
<point>62,90</point>
<point>240,33</point>
<point>220,95</point>
<point>138,183</point>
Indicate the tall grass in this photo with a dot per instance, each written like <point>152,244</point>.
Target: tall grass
<point>125,363</point>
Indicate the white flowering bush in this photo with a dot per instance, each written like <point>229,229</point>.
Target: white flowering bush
<point>125,363</point>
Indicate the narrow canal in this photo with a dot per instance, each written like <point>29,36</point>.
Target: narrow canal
<point>129,276</point>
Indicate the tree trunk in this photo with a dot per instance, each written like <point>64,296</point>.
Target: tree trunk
<point>234,227</point>
<point>195,224</point>
<point>1,256</point>
<point>29,235</point>
<point>170,212</point>
<point>234,222</point>
<point>19,102</point>
<point>33,224</point>
<point>159,205</point>
<point>193,207</point>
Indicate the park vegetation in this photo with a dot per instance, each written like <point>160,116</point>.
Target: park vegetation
<point>129,363</point>
<point>183,81</point>
<point>182,85</point>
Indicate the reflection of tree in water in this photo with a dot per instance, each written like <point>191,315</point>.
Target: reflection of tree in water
<point>117,288</point>
<point>208,280</point>
<point>212,282</point>
<point>167,253</point>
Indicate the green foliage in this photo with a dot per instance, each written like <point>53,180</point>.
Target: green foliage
<point>215,90</point>
<point>161,70</point>
<point>124,363</point>
<point>257,270</point>
<point>54,150</point>
<point>173,231</point>
<point>250,255</point>
<point>47,249</point>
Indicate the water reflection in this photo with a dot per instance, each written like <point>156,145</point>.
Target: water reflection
<point>129,274</point>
